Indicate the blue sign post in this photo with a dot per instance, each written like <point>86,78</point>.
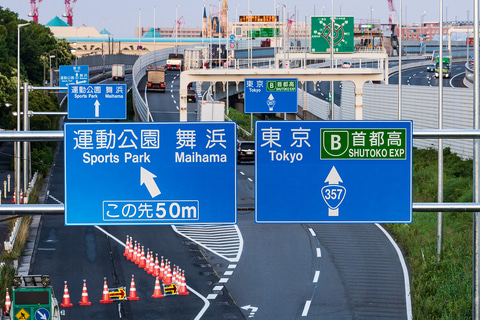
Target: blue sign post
<point>73,74</point>
<point>97,101</point>
<point>150,173</point>
<point>270,95</point>
<point>333,172</point>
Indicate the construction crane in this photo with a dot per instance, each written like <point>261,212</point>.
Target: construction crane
<point>392,21</point>
<point>34,13</point>
<point>69,11</point>
<point>290,21</point>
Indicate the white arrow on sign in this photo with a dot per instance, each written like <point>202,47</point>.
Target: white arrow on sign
<point>42,315</point>
<point>97,109</point>
<point>147,179</point>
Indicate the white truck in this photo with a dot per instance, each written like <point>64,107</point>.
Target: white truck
<point>156,79</point>
<point>175,61</point>
<point>118,72</point>
<point>196,58</point>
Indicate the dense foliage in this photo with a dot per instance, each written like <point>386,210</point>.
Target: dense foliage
<point>439,289</point>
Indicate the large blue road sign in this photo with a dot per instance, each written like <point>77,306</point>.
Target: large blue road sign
<point>150,173</point>
<point>271,96</point>
<point>97,101</point>
<point>333,171</point>
<point>73,74</point>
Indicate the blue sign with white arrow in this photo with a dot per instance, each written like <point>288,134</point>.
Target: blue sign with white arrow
<point>73,74</point>
<point>271,96</point>
<point>42,314</point>
<point>150,173</point>
<point>333,172</point>
<point>97,101</point>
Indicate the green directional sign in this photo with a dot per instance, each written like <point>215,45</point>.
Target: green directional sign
<point>321,33</point>
<point>281,85</point>
<point>263,33</point>
<point>364,144</point>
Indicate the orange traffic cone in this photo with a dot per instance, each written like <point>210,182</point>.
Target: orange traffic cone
<point>84,301</point>
<point>133,292</point>
<point>14,195</point>
<point>161,271</point>
<point>106,295</point>
<point>66,298</point>
<point>183,286</point>
<point>139,254</point>
<point>147,261</point>
<point>151,269</point>
<point>21,196</point>
<point>127,246</point>
<point>130,249</point>
<point>8,303</point>
<point>174,274</point>
<point>142,263</point>
<point>157,293</point>
<point>156,272</point>
<point>168,278</point>
<point>134,258</point>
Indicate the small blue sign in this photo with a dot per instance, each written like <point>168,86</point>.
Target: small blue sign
<point>73,74</point>
<point>232,36</point>
<point>333,172</point>
<point>150,173</point>
<point>271,96</point>
<point>97,101</point>
<point>42,314</point>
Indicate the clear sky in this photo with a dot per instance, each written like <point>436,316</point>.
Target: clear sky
<point>121,17</point>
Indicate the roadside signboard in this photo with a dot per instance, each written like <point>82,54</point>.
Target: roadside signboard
<point>333,172</point>
<point>321,33</point>
<point>97,101</point>
<point>150,173</point>
<point>31,303</point>
<point>73,74</point>
<point>270,95</point>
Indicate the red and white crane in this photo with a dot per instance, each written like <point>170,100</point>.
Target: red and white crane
<point>392,21</point>
<point>34,13</point>
<point>69,11</point>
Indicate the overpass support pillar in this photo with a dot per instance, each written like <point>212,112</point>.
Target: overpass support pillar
<point>358,100</point>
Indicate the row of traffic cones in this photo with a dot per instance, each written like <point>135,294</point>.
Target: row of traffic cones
<point>136,253</point>
<point>15,196</point>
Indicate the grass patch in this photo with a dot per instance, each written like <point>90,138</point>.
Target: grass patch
<point>439,290</point>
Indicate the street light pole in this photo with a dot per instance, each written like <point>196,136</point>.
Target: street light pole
<point>139,32</point>
<point>154,31</point>
<point>17,156</point>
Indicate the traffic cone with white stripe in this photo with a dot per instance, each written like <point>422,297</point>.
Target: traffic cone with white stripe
<point>84,301</point>
<point>142,263</point>
<point>161,270</point>
<point>130,249</point>
<point>66,298</point>
<point>174,274</point>
<point>127,246</point>
<point>21,196</point>
<point>133,291</point>
<point>157,293</point>
<point>106,295</point>
<point>139,254</point>
<point>147,261</point>
<point>8,303</point>
<point>183,286</point>
<point>151,269</point>
<point>134,258</point>
<point>156,272</point>
<point>168,278</point>
<point>14,196</point>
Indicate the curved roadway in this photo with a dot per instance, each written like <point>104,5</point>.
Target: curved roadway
<point>289,271</point>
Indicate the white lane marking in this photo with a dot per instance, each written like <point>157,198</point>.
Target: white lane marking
<point>223,280</point>
<point>306,308</point>
<point>241,172</point>
<point>211,296</point>
<point>232,266</point>
<point>47,249</point>
<point>317,275</point>
<point>217,288</point>
<point>250,179</point>
<point>228,273</point>
<point>319,252</point>
<point>408,301</point>
<point>312,232</point>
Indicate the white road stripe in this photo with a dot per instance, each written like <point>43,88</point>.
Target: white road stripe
<point>250,179</point>
<point>217,288</point>
<point>317,275</point>
<point>232,266</point>
<point>319,252</point>
<point>241,172</point>
<point>228,273</point>
<point>312,232</point>
<point>211,296</point>
<point>306,308</point>
<point>223,280</point>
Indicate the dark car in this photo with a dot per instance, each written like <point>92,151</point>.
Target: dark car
<point>245,151</point>
<point>191,96</point>
<point>431,67</point>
